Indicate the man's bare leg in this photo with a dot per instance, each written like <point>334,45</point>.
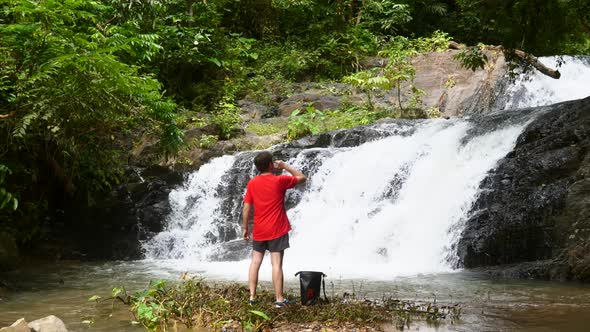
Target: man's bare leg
<point>276,258</point>
<point>257,257</point>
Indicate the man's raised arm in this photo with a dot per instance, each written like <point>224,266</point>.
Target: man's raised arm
<point>296,173</point>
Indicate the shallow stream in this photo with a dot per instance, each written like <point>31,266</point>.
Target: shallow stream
<point>489,305</point>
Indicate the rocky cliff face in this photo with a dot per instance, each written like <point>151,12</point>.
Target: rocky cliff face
<point>113,226</point>
<point>536,204</point>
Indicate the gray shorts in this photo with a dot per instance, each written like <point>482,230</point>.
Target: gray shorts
<point>274,245</point>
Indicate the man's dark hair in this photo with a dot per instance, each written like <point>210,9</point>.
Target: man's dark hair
<point>262,161</point>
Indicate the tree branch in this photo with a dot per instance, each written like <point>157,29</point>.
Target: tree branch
<point>533,61</point>
<point>7,116</point>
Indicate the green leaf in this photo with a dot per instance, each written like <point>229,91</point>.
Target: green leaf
<point>260,313</point>
<point>215,61</point>
<point>116,291</point>
<point>95,298</point>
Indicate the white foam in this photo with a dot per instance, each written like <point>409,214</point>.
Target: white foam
<point>536,89</point>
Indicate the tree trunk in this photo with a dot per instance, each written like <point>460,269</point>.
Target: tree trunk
<point>359,16</point>
<point>369,101</point>
<point>189,7</point>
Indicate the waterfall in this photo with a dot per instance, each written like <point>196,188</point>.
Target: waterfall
<point>533,88</point>
<point>391,206</point>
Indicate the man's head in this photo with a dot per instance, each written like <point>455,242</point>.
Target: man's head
<point>263,161</point>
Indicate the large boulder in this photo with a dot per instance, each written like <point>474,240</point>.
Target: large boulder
<point>455,90</point>
<point>535,205</point>
<point>48,324</point>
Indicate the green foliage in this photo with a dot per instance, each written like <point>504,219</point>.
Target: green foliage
<point>352,116</point>
<point>226,118</point>
<point>312,121</point>
<point>384,16</point>
<point>536,26</point>
<point>263,129</point>
<point>437,42</point>
<point>305,123</point>
<point>67,84</point>
<point>369,81</point>
<point>207,141</point>
<point>472,57</point>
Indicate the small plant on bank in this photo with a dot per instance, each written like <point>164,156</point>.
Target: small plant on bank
<point>352,116</point>
<point>308,122</point>
<point>369,81</point>
<point>314,121</point>
<point>207,141</point>
<point>473,57</point>
<point>227,118</point>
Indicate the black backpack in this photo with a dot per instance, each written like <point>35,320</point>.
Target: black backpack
<point>311,282</point>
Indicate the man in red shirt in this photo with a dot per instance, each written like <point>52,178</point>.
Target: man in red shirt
<point>266,193</point>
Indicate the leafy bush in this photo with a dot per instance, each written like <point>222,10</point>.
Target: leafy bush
<point>352,116</point>
<point>227,118</point>
<point>305,123</point>
<point>472,57</point>
<point>207,141</point>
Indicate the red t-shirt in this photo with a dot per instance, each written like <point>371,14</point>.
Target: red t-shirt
<point>267,194</point>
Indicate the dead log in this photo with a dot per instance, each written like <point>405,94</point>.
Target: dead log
<point>533,61</point>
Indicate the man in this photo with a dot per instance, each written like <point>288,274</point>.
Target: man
<point>266,194</point>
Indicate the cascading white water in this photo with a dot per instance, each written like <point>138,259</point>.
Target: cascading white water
<point>536,89</point>
<point>388,207</point>
<point>195,208</point>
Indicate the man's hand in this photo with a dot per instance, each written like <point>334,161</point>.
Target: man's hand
<point>245,218</point>
<point>283,165</point>
<point>280,164</point>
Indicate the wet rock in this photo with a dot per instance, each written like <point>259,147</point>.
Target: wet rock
<point>539,212</point>
<point>18,326</point>
<point>48,324</point>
